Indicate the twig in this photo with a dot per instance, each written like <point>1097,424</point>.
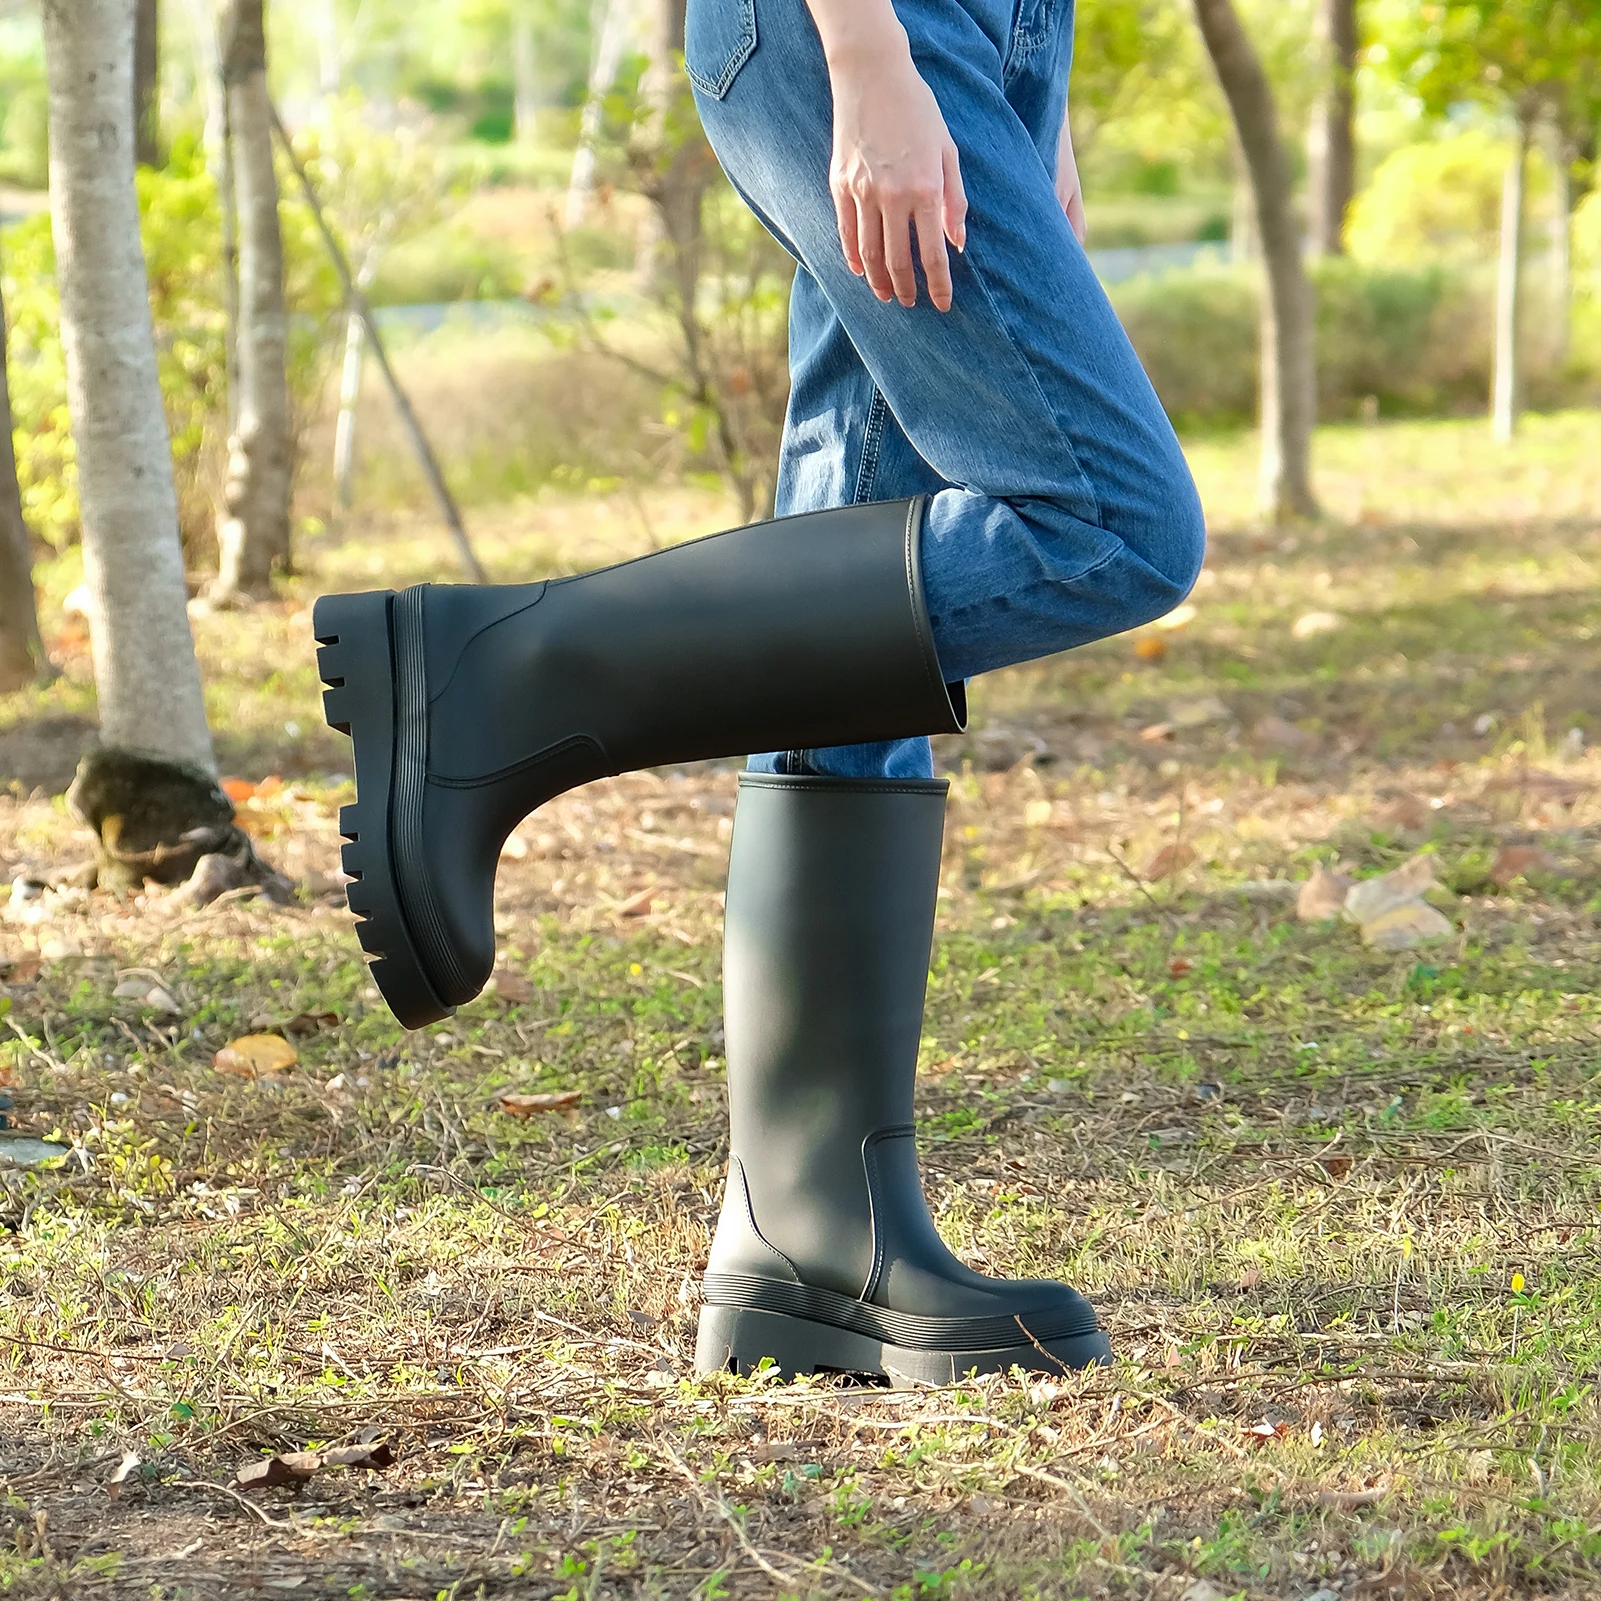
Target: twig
<point>233,1495</point>
<point>714,1499</point>
<point>357,302</point>
<point>1069,1488</point>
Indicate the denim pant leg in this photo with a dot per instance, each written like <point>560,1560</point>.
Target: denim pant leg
<point>1070,513</point>
<point>841,446</point>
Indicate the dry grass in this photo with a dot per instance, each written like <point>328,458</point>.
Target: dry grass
<point>1337,1207</point>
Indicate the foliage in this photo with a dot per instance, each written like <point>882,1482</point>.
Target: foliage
<point>1415,338</point>
<point>1519,54</point>
<point>180,232</point>
<point>1437,202</point>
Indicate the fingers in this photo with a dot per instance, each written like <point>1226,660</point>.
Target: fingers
<point>849,238</point>
<point>870,238</point>
<point>931,245</point>
<point>898,242</point>
<point>955,206</point>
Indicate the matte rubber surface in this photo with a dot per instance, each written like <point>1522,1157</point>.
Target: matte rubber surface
<point>354,661</point>
<point>741,1338</point>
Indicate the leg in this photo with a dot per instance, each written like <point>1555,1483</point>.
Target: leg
<point>1070,513</point>
<point>841,447</point>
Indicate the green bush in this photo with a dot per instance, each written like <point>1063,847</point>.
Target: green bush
<point>180,230</point>
<point>446,263</point>
<point>25,136</point>
<point>1416,340</point>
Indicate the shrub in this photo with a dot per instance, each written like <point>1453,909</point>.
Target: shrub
<point>1438,202</point>
<point>180,229</point>
<point>1417,340</point>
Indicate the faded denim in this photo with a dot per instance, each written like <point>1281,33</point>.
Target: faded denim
<point>1063,509</point>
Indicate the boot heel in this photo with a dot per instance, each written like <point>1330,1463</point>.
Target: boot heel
<point>355,662</point>
<point>739,1339</point>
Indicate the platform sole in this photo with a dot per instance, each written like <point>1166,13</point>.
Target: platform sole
<point>740,1339</point>
<point>355,659</point>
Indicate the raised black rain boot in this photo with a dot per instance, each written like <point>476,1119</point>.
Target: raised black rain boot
<point>469,707</point>
<point>826,1257</point>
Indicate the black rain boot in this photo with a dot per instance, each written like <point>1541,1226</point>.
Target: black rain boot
<point>469,707</point>
<point>826,1257</point>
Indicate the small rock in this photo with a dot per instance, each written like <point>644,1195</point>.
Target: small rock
<point>1310,624</point>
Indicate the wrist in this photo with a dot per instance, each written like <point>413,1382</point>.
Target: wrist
<point>863,41</point>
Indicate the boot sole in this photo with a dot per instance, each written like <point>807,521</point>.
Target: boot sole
<point>740,1339</point>
<point>355,660</point>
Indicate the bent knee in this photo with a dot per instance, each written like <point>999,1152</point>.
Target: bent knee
<point>1172,548</point>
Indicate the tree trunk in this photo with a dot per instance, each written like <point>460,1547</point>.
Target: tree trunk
<point>1563,156</point>
<point>1506,399</point>
<point>524,80</point>
<point>254,535</point>
<point>22,657</point>
<point>147,84</point>
<point>1331,140</point>
<point>145,669</point>
<point>602,75</point>
<point>1289,371</point>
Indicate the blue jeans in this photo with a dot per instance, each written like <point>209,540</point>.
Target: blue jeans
<point>1062,510</point>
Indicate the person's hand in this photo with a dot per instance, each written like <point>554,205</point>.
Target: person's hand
<point>1068,189</point>
<point>895,169</point>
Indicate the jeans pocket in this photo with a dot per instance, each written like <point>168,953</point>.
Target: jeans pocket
<point>719,38</point>
<point>1032,30</point>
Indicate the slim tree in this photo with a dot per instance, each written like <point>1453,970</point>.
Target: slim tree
<point>22,657</point>
<point>1289,370</point>
<point>253,538</point>
<point>1331,138</point>
<point>145,670</point>
<point>1529,59</point>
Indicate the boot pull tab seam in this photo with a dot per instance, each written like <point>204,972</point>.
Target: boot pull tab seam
<point>899,1131</point>
<point>736,1176</point>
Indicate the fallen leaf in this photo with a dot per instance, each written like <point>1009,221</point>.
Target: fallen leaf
<point>1374,897</point>
<point>512,988</point>
<point>1310,624</point>
<point>1335,1166</point>
<point>269,1473</point>
<point>1514,861</point>
<point>637,904</point>
<point>1285,735</point>
<point>1150,648</point>
<point>784,1450</point>
<point>1250,1278</point>
<point>1179,966</point>
<point>304,1024</point>
<point>1202,1591</point>
<point>1404,926</point>
<point>372,1454</point>
<point>256,1056</point>
<point>296,1467</point>
<point>525,1105</point>
<point>1037,814</point>
<point>1351,1500</point>
<point>238,790</point>
<point>1168,862</point>
<point>1322,895</point>
<point>1157,733</point>
<point>20,969</point>
<point>1264,1431</point>
<point>130,1461</point>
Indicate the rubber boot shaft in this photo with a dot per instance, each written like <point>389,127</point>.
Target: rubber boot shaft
<point>826,1244</point>
<point>469,707</point>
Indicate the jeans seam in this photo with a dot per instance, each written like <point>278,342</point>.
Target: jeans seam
<point>872,446</point>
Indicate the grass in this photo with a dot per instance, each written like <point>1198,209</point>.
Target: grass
<point>1337,1208</point>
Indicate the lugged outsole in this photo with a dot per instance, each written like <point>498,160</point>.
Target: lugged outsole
<point>354,661</point>
<point>739,1339</point>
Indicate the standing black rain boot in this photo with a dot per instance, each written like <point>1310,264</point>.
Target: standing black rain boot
<point>469,706</point>
<point>826,1257</point>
